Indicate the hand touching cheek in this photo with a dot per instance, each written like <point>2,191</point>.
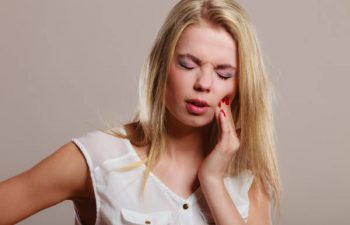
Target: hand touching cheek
<point>216,163</point>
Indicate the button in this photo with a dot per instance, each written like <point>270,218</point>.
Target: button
<point>147,222</point>
<point>185,206</point>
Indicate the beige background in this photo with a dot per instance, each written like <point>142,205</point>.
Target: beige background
<point>69,65</point>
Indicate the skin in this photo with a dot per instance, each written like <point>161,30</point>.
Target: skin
<point>203,80</point>
<point>64,175</point>
<point>188,79</point>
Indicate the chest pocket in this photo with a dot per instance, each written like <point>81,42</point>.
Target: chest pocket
<point>130,217</point>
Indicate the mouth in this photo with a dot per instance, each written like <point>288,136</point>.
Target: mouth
<point>196,106</point>
<point>198,102</point>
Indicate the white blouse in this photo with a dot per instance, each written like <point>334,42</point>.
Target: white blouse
<point>117,193</point>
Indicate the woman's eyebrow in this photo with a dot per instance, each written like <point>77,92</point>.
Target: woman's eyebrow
<point>198,61</point>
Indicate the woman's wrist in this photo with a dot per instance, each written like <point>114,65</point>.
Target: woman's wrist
<point>206,181</point>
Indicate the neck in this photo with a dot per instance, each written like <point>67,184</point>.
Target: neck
<point>186,142</point>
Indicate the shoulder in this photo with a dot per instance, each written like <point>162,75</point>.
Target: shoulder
<point>97,138</point>
<point>99,146</point>
<point>66,170</point>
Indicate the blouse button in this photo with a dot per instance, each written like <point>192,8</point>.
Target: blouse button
<point>185,206</point>
<point>147,222</point>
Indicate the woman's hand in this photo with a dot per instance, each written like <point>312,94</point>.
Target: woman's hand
<point>214,166</point>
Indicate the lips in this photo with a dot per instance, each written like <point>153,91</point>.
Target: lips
<point>198,102</point>
<point>197,106</point>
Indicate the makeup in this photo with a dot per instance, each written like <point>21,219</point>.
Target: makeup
<point>197,106</point>
<point>223,112</point>
<point>195,109</point>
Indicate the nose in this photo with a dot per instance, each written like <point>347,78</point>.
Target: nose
<point>204,79</point>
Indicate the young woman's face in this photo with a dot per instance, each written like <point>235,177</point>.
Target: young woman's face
<point>203,67</point>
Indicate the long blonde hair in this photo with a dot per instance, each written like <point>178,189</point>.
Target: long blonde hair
<point>251,107</point>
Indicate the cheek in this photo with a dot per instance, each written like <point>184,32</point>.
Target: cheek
<point>229,89</point>
<point>177,81</point>
<point>172,84</point>
<point>173,88</point>
<point>233,87</point>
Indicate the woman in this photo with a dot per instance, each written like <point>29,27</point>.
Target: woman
<point>200,150</point>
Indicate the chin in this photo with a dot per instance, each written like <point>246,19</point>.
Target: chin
<point>196,121</point>
<point>189,120</point>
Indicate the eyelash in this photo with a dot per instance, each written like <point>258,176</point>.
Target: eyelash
<point>189,68</point>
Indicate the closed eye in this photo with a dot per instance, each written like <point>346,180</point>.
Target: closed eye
<point>183,65</point>
<point>223,77</point>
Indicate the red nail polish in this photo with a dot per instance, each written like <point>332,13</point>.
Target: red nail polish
<point>227,101</point>
<point>219,104</point>
<point>223,112</point>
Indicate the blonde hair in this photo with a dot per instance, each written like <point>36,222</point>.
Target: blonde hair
<point>251,106</point>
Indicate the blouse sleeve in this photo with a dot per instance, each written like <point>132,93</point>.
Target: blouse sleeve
<point>238,188</point>
<point>84,145</point>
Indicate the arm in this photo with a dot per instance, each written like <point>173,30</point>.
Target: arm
<point>61,176</point>
<point>224,210</point>
<point>211,176</point>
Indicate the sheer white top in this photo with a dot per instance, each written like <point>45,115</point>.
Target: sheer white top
<point>117,193</point>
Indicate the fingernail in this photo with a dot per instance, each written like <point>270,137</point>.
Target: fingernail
<point>223,112</point>
<point>219,104</point>
<point>227,101</point>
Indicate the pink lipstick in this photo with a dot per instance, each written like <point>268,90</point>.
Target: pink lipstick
<point>196,106</point>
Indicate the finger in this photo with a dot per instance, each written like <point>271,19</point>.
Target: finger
<point>224,122</point>
<point>226,106</point>
<point>217,112</point>
<point>217,118</point>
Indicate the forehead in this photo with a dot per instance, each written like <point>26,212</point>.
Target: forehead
<point>209,43</point>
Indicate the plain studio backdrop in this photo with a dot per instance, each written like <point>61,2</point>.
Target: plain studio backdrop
<point>69,66</point>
